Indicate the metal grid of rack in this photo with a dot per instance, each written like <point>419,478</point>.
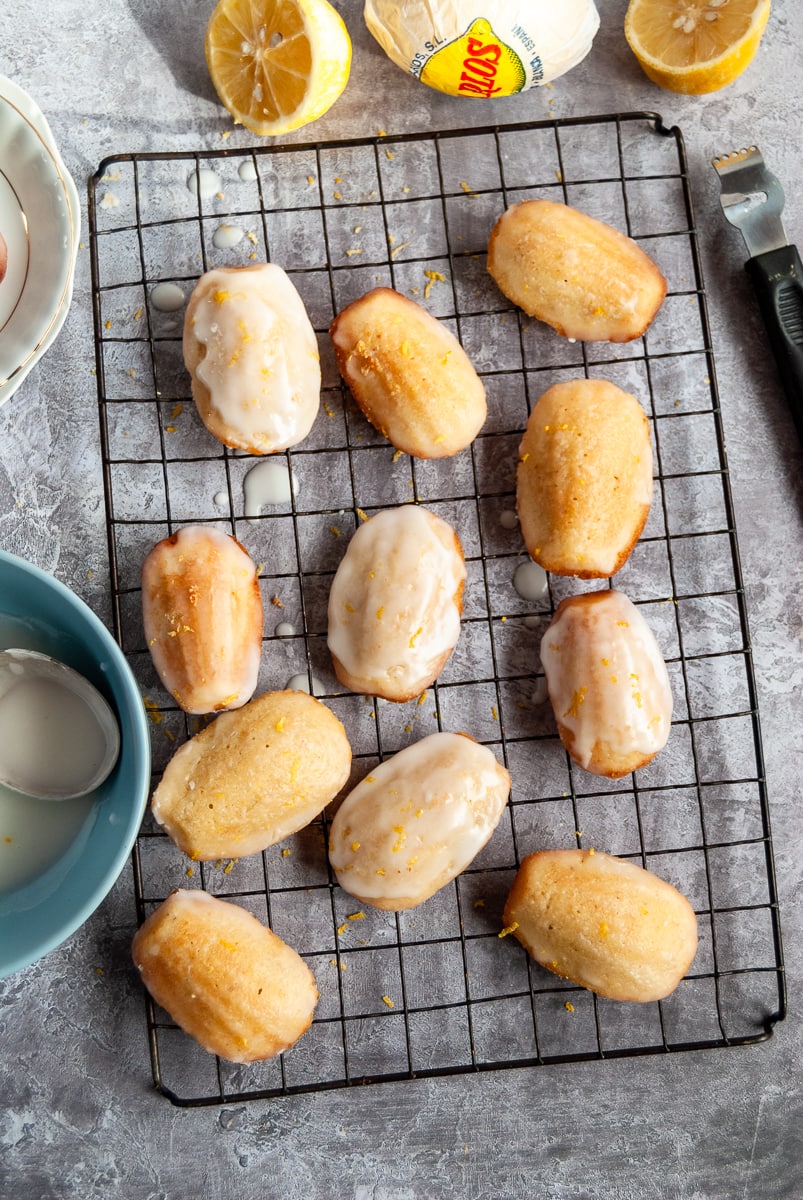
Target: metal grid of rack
<point>435,990</point>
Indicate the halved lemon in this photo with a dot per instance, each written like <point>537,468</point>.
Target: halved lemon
<point>695,46</point>
<point>277,64</point>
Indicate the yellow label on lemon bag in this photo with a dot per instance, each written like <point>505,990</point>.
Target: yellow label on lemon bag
<point>477,64</point>
<point>483,48</point>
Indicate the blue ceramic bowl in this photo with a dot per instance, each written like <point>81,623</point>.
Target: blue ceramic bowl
<point>40,914</point>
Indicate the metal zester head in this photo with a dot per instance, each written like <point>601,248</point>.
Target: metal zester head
<point>752,199</point>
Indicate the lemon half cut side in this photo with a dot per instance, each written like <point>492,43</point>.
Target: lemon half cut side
<point>277,64</point>
<point>695,46</point>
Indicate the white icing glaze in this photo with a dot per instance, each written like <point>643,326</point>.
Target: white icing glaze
<point>285,629</point>
<point>247,171</point>
<point>606,676</point>
<point>508,518</point>
<point>36,834</point>
<point>261,365</point>
<point>301,683</point>
<point>393,611</point>
<point>227,236</point>
<point>417,820</point>
<point>530,581</point>
<point>204,182</point>
<point>266,483</point>
<point>167,297</point>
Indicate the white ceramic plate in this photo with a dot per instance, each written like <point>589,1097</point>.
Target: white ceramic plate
<point>39,219</point>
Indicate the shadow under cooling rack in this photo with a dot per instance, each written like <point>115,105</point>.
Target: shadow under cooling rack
<point>435,990</point>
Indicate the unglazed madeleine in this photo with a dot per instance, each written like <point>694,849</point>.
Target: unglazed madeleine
<point>253,777</point>
<point>409,374</point>
<point>224,977</point>
<point>602,922</point>
<point>202,613</point>
<point>253,358</point>
<point>395,603</point>
<point>607,682</point>
<point>417,820</point>
<point>584,480</point>
<point>579,275</point>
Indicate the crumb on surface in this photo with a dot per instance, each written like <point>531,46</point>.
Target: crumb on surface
<point>508,929</point>
<point>433,277</point>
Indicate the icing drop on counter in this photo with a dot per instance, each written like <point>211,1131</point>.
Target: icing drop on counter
<point>226,237</point>
<point>268,483</point>
<point>530,581</point>
<point>204,182</point>
<point>167,297</point>
<point>301,683</point>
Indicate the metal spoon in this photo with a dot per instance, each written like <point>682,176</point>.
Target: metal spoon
<point>59,738</point>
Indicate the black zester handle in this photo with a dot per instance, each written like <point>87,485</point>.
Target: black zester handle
<point>778,280</point>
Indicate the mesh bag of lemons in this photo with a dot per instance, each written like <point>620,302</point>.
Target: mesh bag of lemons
<point>483,48</point>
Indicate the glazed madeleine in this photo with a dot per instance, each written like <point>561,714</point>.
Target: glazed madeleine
<point>253,777</point>
<point>224,977</point>
<point>607,682</point>
<point>395,603</point>
<point>253,358</point>
<point>409,374</point>
<point>584,480</point>
<point>417,820</point>
<point>202,613</point>
<point>602,922</point>
<point>583,277</point>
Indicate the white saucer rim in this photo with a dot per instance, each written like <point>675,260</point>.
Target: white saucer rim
<point>28,111</point>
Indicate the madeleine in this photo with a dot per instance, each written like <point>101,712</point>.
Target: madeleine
<point>584,480</point>
<point>253,777</point>
<point>607,682</point>
<point>224,977</point>
<point>417,820</point>
<point>409,374</point>
<point>253,358</point>
<point>202,614</point>
<point>602,922</point>
<point>395,603</point>
<point>579,275</point>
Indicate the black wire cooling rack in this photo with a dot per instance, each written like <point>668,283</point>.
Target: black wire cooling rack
<point>435,990</point>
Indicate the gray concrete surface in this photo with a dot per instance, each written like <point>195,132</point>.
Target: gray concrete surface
<point>79,1117</point>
